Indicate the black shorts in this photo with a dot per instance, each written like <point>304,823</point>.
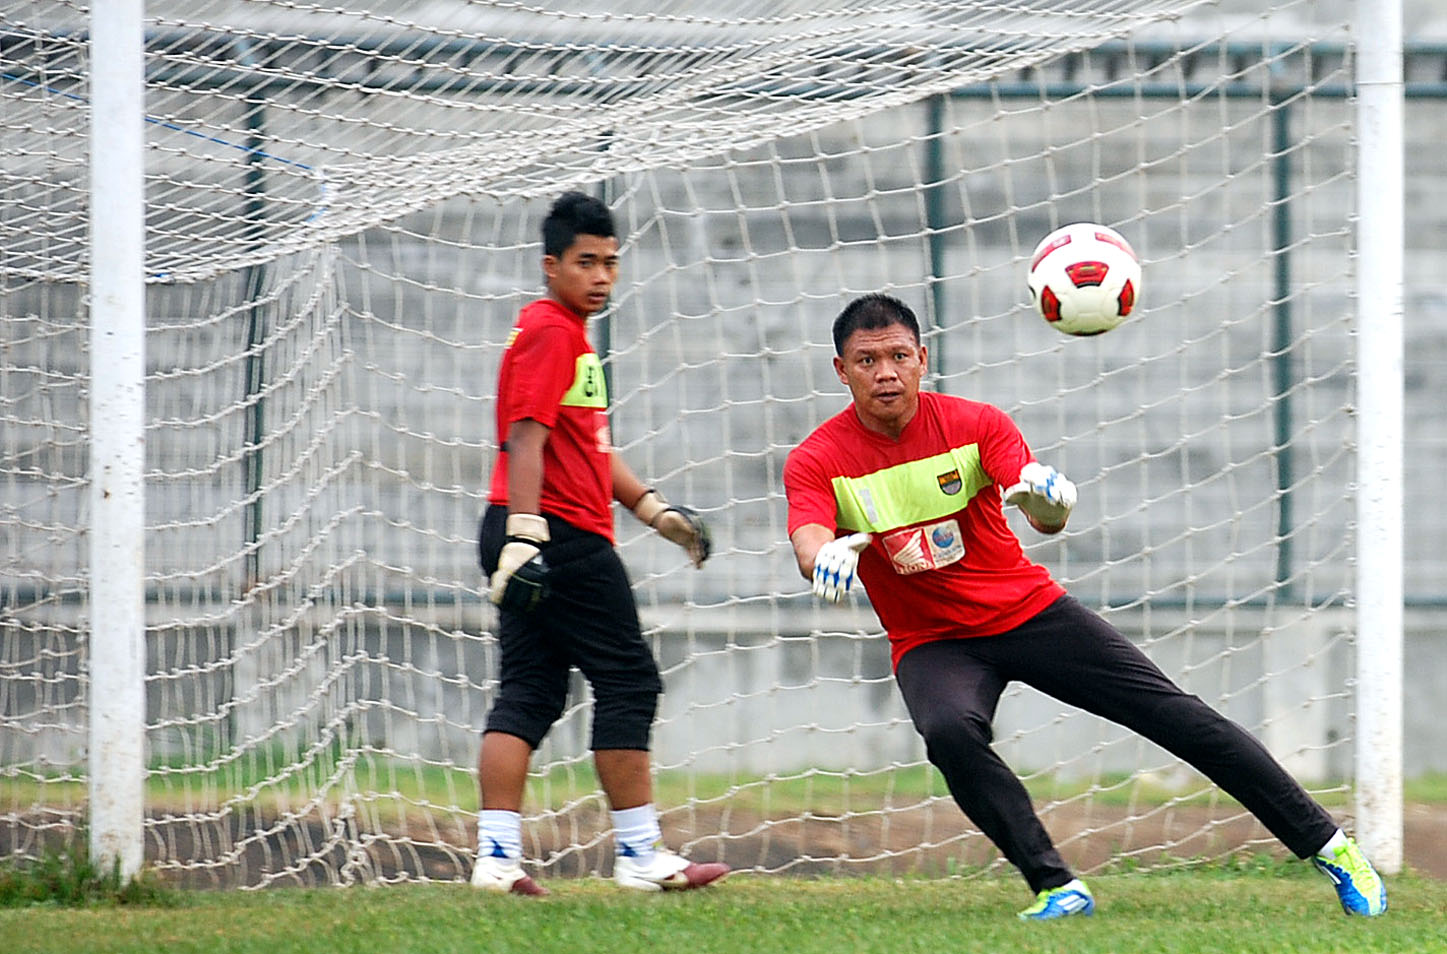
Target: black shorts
<point>588,620</point>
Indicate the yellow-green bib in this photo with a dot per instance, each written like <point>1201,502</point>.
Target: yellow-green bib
<point>912,492</point>
<point>589,389</point>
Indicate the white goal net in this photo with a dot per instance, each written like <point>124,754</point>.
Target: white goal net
<point>342,212</point>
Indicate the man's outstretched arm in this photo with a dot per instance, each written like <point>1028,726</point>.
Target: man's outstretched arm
<point>828,562</point>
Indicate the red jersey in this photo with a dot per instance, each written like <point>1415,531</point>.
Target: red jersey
<point>944,563</point>
<point>551,374</point>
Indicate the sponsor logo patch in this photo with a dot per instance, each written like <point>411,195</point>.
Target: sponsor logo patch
<point>927,547</point>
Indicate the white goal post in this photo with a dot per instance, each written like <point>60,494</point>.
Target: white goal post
<point>1380,507</point>
<point>242,633</point>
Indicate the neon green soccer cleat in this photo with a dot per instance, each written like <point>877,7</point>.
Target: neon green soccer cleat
<point>1358,886</point>
<point>1068,900</point>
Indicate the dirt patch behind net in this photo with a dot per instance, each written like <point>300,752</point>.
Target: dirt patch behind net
<point>928,840</point>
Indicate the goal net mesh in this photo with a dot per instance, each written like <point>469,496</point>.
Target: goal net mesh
<point>342,217</point>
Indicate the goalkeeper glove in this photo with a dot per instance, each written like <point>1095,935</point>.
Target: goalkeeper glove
<point>680,525</point>
<point>520,581</point>
<point>1044,494</point>
<point>834,566</point>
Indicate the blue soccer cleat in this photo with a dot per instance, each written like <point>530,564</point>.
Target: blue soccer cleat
<point>1068,900</point>
<point>1358,886</point>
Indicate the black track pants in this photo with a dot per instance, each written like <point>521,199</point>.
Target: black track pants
<point>952,687</point>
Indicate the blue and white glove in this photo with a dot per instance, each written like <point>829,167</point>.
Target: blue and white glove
<point>834,566</point>
<point>1043,493</point>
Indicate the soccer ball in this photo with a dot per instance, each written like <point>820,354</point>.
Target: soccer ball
<point>1084,279</point>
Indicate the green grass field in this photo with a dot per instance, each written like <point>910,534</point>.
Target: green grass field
<point>1264,906</point>
<point>1251,905</point>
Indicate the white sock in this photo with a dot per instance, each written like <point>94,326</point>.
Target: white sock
<point>636,833</point>
<point>1328,850</point>
<point>499,834</point>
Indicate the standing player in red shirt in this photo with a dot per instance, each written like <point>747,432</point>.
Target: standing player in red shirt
<point>563,596</point>
<point>913,479</point>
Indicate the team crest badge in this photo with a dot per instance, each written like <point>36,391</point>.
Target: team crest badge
<point>950,482</point>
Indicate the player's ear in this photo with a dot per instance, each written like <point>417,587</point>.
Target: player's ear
<point>839,370</point>
<point>550,266</point>
<point>924,357</point>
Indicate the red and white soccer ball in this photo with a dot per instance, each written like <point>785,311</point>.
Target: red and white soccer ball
<point>1084,279</point>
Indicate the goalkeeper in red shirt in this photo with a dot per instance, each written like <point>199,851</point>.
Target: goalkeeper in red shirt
<point>907,489</point>
<point>563,596</point>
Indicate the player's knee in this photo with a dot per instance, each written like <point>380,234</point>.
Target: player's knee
<point>957,733</point>
<point>527,726</point>
<point>623,718</point>
<point>529,720</point>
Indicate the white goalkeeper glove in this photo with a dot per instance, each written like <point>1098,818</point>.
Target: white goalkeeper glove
<point>834,566</point>
<point>680,525</point>
<point>520,581</point>
<point>1043,493</point>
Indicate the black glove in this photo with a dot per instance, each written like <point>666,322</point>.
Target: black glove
<point>520,582</point>
<point>680,525</point>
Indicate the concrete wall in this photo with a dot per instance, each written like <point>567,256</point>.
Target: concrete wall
<point>380,356</point>
<point>747,692</point>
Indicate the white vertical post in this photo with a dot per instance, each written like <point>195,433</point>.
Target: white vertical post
<point>116,760</point>
<point>1380,429</point>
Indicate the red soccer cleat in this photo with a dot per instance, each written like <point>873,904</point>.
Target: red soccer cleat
<point>505,876</point>
<point>667,872</point>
